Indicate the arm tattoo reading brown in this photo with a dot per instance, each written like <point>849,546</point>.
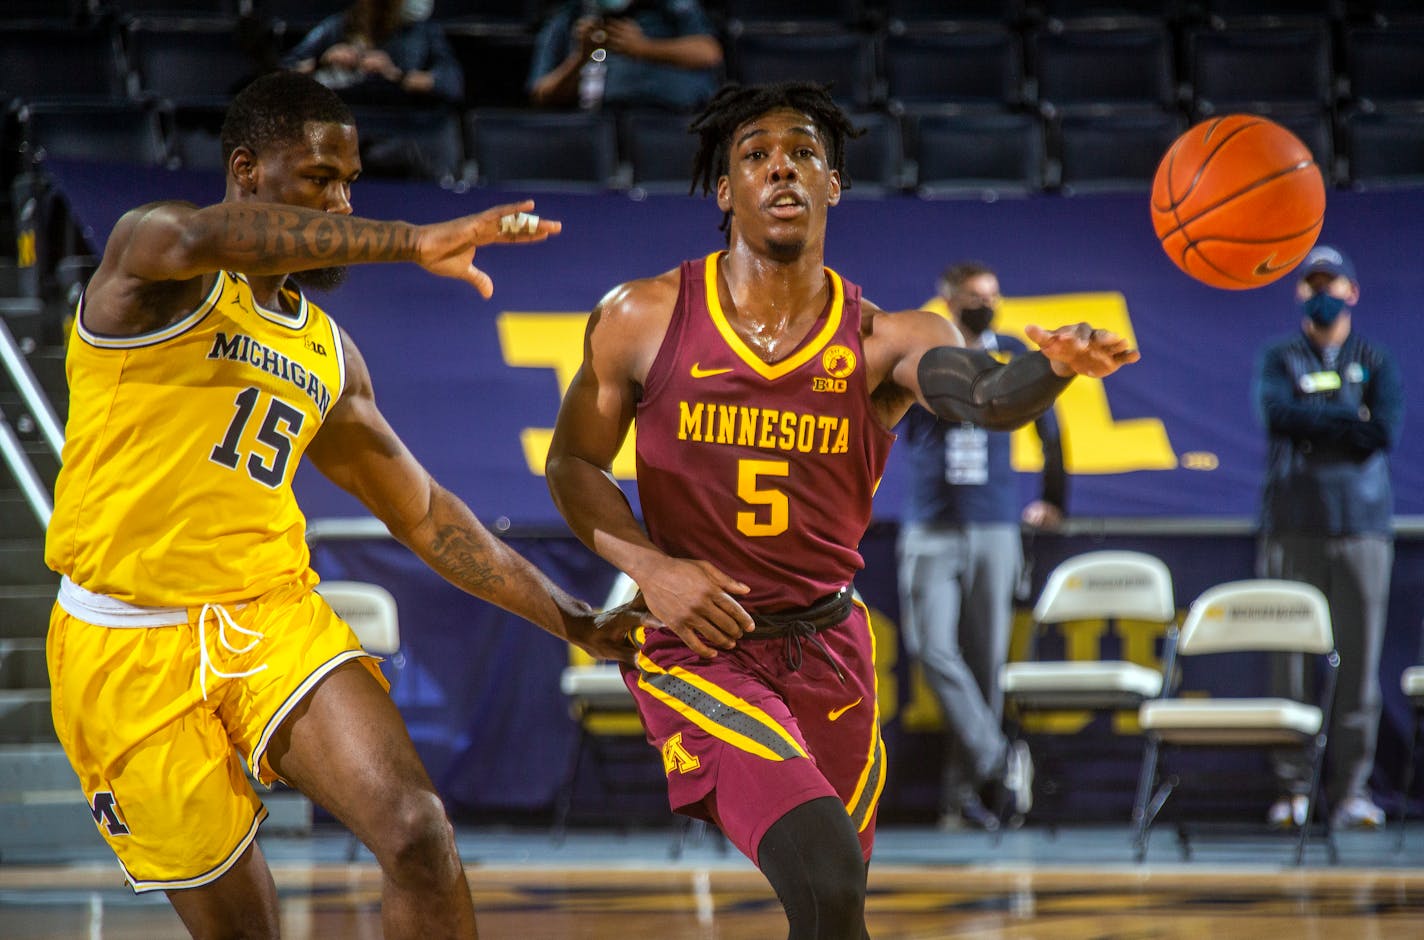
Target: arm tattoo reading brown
<point>461,558</point>
<point>276,239</point>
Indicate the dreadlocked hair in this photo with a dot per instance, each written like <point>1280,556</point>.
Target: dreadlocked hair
<point>733,105</point>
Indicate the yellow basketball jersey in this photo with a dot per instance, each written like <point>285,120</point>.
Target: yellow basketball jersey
<point>181,445</point>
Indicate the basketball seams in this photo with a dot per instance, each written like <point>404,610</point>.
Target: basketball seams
<point>1232,239</point>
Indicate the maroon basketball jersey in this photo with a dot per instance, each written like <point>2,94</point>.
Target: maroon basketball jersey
<point>764,469</point>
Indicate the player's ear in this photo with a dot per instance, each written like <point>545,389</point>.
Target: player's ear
<point>724,194</point>
<point>835,194</point>
<point>242,165</point>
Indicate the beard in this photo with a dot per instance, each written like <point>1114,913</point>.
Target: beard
<point>321,279</point>
<point>785,252</point>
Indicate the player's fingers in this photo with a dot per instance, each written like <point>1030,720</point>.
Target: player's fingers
<point>481,281</point>
<point>692,641</point>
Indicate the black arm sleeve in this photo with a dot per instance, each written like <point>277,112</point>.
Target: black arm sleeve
<point>971,385</point>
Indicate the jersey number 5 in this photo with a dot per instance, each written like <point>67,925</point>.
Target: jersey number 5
<point>281,423</point>
<point>778,506</point>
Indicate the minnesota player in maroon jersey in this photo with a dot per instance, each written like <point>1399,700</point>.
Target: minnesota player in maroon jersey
<point>764,389</point>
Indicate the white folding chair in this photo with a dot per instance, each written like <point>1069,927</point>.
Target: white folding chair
<point>1411,683</point>
<point>1113,585</point>
<point>370,611</point>
<point>1241,617</point>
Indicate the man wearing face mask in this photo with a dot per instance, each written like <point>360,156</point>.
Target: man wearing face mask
<point>961,556</point>
<point>660,54</point>
<point>1331,403</point>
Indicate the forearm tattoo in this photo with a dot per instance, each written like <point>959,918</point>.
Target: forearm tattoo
<point>460,556</point>
<point>294,239</point>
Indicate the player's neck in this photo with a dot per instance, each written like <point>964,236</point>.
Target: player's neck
<point>772,305</point>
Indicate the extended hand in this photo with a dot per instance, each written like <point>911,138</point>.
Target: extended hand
<point>694,600</point>
<point>626,37</point>
<point>608,634</point>
<point>448,248</point>
<point>1082,350</point>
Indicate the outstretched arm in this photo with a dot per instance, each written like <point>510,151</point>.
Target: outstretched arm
<point>693,598</point>
<point>357,450</point>
<point>926,360</point>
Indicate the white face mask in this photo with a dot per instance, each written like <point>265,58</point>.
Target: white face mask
<point>415,11</point>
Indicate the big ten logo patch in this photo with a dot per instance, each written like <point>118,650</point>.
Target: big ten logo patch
<point>678,758</point>
<point>1076,641</point>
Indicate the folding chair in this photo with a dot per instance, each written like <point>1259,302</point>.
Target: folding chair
<point>370,611</point>
<point>1235,618</point>
<point>1411,683</point>
<point>1114,585</point>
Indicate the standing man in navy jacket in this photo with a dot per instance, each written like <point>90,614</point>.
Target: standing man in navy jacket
<point>1331,403</point>
<point>961,556</point>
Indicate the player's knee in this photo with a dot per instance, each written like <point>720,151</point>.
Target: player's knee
<point>838,886</point>
<point>418,844</point>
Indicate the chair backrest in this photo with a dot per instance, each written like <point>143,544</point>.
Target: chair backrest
<point>1113,151</point>
<point>554,149</point>
<point>1078,67</point>
<point>1261,614</point>
<point>981,66</point>
<point>972,152</point>
<point>1128,585</point>
<point>369,610</point>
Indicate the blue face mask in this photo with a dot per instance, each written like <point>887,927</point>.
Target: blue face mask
<point>1323,309</point>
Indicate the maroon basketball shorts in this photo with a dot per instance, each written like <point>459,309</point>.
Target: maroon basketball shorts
<point>750,735</point>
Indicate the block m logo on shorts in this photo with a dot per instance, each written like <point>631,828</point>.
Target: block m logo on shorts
<point>105,810</point>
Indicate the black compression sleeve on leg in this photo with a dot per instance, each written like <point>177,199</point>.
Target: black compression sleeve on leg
<point>971,385</point>
<point>813,860</point>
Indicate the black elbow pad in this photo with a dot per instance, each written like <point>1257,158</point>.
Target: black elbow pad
<point>971,385</point>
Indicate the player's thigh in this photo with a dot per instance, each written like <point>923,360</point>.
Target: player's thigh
<point>346,747</point>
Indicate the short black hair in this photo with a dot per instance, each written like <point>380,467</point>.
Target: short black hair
<point>955,276</point>
<point>735,104</point>
<point>274,109</point>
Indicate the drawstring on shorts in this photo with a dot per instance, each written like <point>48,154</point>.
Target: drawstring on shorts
<point>205,662</point>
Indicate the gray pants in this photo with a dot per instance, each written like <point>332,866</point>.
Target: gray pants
<point>1353,572</point>
<point>956,613</point>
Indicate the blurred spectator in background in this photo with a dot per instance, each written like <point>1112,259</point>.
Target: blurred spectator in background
<point>382,52</point>
<point>961,557</point>
<point>626,54</point>
<point>387,54</point>
<point>1331,403</point>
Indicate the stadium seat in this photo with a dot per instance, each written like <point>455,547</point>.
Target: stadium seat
<point>1237,619</point>
<point>911,12</point>
<point>117,132</point>
<point>1279,11</point>
<point>195,136</point>
<point>189,61</point>
<point>411,143</point>
<point>1384,149</point>
<point>1385,65</point>
<point>1248,68</point>
<point>978,66</point>
<point>182,9</point>
<point>875,161</point>
<point>1058,13</point>
<point>842,12</point>
<point>976,154</point>
<point>495,60</point>
<point>49,62</point>
<point>844,59</point>
<point>1078,68</point>
<point>491,12</point>
<point>658,149</point>
<point>1114,151</point>
<point>523,148</point>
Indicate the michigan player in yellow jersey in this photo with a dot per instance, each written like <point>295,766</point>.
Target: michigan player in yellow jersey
<point>186,626</point>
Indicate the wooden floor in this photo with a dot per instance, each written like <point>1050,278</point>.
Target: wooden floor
<point>325,899</point>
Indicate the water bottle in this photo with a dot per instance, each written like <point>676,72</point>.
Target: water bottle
<point>591,78</point>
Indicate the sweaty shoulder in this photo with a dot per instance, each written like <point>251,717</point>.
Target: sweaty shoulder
<point>631,320</point>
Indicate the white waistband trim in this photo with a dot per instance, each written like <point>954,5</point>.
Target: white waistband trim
<point>106,611</point>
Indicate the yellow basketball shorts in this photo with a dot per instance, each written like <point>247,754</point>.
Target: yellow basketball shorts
<point>154,720</point>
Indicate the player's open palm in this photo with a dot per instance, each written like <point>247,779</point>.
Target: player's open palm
<point>448,248</point>
<point>1085,350</point>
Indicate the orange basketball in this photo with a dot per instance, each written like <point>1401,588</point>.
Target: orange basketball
<point>1237,201</point>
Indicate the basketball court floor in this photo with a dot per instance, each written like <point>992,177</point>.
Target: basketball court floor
<point>605,884</point>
